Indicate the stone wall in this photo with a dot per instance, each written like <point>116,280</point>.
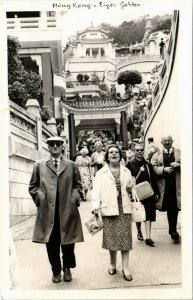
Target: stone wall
<point>163,114</point>
<point>27,143</point>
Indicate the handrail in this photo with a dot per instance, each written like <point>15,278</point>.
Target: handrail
<point>27,126</point>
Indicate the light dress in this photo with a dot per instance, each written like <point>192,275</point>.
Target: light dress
<point>83,164</point>
<point>117,235</point>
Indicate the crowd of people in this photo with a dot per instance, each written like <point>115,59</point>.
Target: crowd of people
<point>58,185</point>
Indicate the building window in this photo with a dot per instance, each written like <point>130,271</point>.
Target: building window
<point>95,52</point>
<point>51,13</point>
<point>170,44</point>
<point>86,96</point>
<point>102,52</point>
<point>163,71</point>
<point>70,98</point>
<point>23,14</point>
<point>156,90</point>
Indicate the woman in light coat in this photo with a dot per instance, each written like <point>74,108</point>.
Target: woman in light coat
<point>111,198</point>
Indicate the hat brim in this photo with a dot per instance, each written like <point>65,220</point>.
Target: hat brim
<point>55,139</point>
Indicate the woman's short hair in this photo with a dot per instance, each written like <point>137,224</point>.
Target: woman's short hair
<point>107,152</point>
<point>98,143</point>
<point>84,150</point>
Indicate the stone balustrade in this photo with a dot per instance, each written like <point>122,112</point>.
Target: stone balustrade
<point>27,143</point>
<point>163,76</point>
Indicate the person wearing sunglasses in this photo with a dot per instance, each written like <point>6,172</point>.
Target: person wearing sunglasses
<point>56,189</point>
<point>143,171</point>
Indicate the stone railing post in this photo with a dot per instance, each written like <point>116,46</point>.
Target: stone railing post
<point>33,107</point>
<point>52,125</point>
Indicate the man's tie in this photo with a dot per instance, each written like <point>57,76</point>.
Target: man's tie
<point>56,164</point>
<point>168,151</point>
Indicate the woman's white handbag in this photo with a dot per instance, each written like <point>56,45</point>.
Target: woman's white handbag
<point>137,209</point>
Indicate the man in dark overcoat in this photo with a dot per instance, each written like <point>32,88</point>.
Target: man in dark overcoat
<point>56,189</point>
<point>167,167</point>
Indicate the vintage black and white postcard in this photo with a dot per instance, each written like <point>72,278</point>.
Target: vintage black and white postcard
<point>96,99</point>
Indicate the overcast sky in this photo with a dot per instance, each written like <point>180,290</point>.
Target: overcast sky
<point>74,20</point>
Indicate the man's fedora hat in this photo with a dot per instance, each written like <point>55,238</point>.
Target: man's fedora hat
<point>55,139</point>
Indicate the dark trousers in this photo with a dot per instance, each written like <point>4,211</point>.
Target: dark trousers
<point>53,250</point>
<point>53,247</point>
<point>172,215</point>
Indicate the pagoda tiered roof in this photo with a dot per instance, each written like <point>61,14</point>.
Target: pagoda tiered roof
<point>96,103</point>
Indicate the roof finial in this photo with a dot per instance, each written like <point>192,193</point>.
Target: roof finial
<point>91,23</point>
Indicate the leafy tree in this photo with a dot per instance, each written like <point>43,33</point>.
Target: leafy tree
<point>131,77</point>
<point>133,31</point>
<point>163,25</point>
<point>22,85</point>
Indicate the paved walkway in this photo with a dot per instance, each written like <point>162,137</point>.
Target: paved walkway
<point>157,267</point>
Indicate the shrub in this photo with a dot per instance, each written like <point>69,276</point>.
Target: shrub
<point>22,85</point>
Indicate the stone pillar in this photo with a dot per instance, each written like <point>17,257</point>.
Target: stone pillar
<point>52,125</point>
<point>124,136</point>
<point>72,135</point>
<point>65,118</point>
<point>146,49</point>
<point>117,133</point>
<point>33,107</point>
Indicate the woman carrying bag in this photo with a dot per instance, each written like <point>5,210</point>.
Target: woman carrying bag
<point>143,172</point>
<point>111,198</point>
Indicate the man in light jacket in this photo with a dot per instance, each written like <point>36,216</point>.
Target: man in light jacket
<point>167,165</point>
<point>56,188</point>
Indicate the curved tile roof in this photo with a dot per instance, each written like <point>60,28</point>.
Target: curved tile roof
<point>96,103</point>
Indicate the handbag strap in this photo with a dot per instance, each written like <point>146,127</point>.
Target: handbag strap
<point>134,195</point>
<point>147,171</point>
<point>138,174</point>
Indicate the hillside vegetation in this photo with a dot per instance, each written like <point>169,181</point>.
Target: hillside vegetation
<point>133,31</point>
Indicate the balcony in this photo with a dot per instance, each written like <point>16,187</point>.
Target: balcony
<point>131,59</point>
<point>17,24</point>
<point>91,59</point>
